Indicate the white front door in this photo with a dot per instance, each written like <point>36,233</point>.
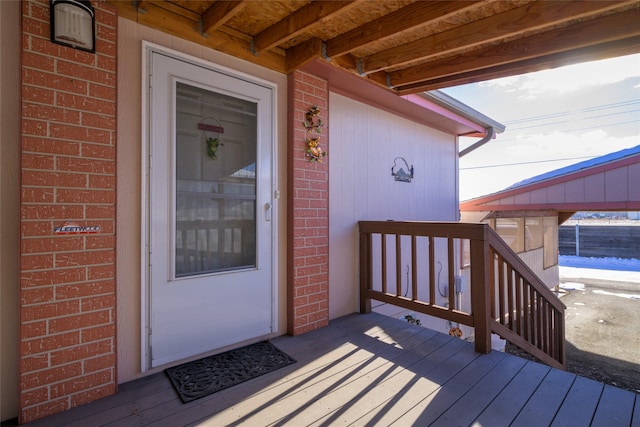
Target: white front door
<point>209,233</point>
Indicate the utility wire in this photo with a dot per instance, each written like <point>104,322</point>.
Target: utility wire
<point>526,163</point>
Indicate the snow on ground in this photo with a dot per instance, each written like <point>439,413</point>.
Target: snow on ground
<point>617,269</point>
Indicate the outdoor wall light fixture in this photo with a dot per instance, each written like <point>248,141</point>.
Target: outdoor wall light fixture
<point>401,170</point>
<point>73,24</point>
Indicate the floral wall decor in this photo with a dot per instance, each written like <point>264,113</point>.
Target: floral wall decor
<point>313,124</point>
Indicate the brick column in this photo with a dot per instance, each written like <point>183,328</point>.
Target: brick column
<point>308,210</point>
<point>67,354</point>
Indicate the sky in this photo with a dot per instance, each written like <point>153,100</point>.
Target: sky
<point>554,118</point>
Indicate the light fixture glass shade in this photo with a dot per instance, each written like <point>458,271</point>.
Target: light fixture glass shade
<point>73,24</point>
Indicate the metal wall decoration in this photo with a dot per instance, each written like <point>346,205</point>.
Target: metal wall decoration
<point>401,170</point>
<point>313,124</point>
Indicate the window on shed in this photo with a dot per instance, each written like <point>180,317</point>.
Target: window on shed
<point>550,241</point>
<point>512,232</point>
<point>534,232</point>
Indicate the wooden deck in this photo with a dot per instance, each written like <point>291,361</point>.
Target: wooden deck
<point>375,370</point>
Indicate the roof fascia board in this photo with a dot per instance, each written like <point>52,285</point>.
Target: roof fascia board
<point>444,111</point>
<point>429,113</point>
<point>442,99</point>
<point>593,206</point>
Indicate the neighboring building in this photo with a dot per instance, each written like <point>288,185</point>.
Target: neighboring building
<point>527,214</point>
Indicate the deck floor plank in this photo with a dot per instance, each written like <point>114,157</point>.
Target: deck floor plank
<point>370,385</point>
<point>475,400</point>
<point>580,403</point>
<point>543,405</point>
<point>365,370</point>
<point>433,403</point>
<point>410,382</point>
<point>615,408</point>
<point>635,421</point>
<point>506,406</point>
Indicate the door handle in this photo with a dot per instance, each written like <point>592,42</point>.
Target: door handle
<point>267,211</point>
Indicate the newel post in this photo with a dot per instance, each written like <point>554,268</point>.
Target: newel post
<point>480,293</point>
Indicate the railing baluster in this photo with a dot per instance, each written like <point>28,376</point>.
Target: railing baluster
<point>539,321</point>
<point>432,272</point>
<point>545,326</point>
<point>534,317</point>
<point>501,295</point>
<point>399,265</point>
<point>414,268</point>
<point>492,281</point>
<point>519,311</point>
<point>527,310</point>
<point>451,274</point>
<point>384,262</point>
<point>510,306</point>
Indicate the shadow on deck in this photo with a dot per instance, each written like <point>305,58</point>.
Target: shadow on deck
<point>368,369</point>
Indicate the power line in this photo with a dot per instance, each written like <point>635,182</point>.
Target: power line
<point>527,163</point>
<point>566,113</point>
<point>571,130</point>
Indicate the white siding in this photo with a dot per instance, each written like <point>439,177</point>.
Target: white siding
<point>363,143</point>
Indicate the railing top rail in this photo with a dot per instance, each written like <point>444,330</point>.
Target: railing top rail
<point>455,230</point>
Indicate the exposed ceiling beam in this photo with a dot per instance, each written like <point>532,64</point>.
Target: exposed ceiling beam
<point>303,53</point>
<point>175,9</point>
<point>532,17</point>
<point>419,14</point>
<point>303,19</point>
<point>219,13</point>
<point>596,31</point>
<point>590,53</point>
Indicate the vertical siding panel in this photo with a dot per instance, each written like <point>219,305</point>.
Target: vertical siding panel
<point>363,148</point>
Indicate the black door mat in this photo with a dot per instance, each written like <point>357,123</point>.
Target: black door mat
<point>208,375</point>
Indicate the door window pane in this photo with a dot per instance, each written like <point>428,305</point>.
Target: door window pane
<point>215,199</point>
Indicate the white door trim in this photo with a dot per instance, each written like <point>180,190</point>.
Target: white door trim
<point>148,49</point>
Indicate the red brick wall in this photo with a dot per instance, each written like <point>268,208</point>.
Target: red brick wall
<point>308,212</point>
<point>68,154</point>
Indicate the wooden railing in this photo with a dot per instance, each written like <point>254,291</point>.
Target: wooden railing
<point>506,297</point>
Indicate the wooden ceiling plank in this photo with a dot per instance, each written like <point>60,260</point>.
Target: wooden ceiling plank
<point>301,20</point>
<point>598,52</point>
<point>416,15</point>
<point>596,31</point>
<point>530,17</point>
<point>219,13</point>
<point>302,53</point>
